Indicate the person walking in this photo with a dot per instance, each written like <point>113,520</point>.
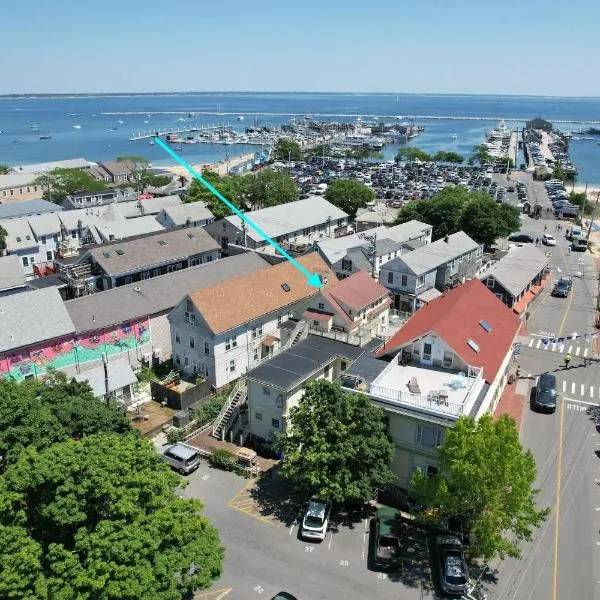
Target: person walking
<point>569,249</point>
<point>567,360</point>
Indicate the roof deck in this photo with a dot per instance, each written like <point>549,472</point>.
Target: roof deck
<point>440,392</point>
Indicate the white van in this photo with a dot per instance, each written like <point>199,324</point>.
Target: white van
<point>181,457</point>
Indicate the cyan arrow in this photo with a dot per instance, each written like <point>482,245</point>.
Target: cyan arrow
<point>313,279</point>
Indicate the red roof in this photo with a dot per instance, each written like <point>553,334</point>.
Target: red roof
<point>318,316</point>
<point>456,317</point>
<point>357,291</point>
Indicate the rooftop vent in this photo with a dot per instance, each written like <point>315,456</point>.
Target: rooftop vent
<point>120,252</point>
<point>18,239</point>
<point>106,254</point>
<point>446,239</point>
<point>191,236</point>
<point>473,345</point>
<point>162,243</point>
<point>285,287</point>
<point>486,326</point>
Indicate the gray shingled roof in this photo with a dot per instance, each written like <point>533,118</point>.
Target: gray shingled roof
<point>518,268</point>
<point>31,317</point>
<point>119,372</point>
<point>19,235</point>
<point>431,256</point>
<point>11,272</point>
<point>27,208</point>
<point>155,249</point>
<point>195,211</point>
<point>287,369</point>
<point>155,295</point>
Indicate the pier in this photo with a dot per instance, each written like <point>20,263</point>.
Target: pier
<point>151,133</point>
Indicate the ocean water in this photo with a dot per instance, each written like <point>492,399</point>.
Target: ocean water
<point>467,117</point>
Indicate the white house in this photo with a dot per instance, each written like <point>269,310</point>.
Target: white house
<point>224,330</point>
<point>192,214</point>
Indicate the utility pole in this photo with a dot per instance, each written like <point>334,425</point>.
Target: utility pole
<point>244,232</point>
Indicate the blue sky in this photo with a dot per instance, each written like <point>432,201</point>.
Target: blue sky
<point>429,46</point>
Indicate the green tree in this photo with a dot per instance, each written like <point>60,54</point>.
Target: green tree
<point>139,167</point>
<point>60,183</point>
<point>4,169</point>
<point>287,149</point>
<point>443,212</point>
<point>411,153</point>
<point>480,156</point>
<point>232,188</point>
<point>3,234</point>
<point>337,445</point>
<point>576,198</point>
<point>269,188</point>
<point>485,479</point>
<point>485,220</point>
<point>320,150</point>
<point>349,195</point>
<point>448,157</point>
<point>39,413</point>
<point>98,519</point>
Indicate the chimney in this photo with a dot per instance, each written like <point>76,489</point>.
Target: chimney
<point>446,238</point>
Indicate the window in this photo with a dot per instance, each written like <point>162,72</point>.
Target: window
<point>490,282</point>
<point>448,359</point>
<point>431,471</point>
<point>344,365</point>
<point>275,423</point>
<point>145,275</point>
<point>177,359</point>
<point>428,436</point>
<point>257,416</point>
<point>346,264</point>
<point>25,261</point>
<point>206,349</point>
<point>48,254</point>
<point>232,365</point>
<point>420,280</point>
<point>255,354</point>
<point>43,239</point>
<point>230,343</point>
<point>128,279</point>
<point>266,391</point>
<point>189,306</point>
<point>321,306</point>
<point>390,277</point>
<point>192,342</point>
<point>194,262</point>
<point>279,320</point>
<point>74,234</point>
<point>177,339</point>
<point>186,361</point>
<point>326,371</point>
<point>404,280</point>
<point>156,273</point>
<point>315,323</point>
<point>254,333</point>
<point>427,351</point>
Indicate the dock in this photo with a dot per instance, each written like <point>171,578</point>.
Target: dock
<point>152,133</point>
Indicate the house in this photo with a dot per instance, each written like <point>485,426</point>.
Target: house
<point>113,380</point>
<point>97,172</point>
<point>119,171</point>
<point>27,208</point>
<point>450,359</point>
<point>12,275</point>
<point>513,276</point>
<point>366,218</point>
<point>224,330</point>
<point>369,250</point>
<point>192,214</point>
<point>90,199</point>
<point>353,310</point>
<point>128,321</point>
<point>277,385</point>
<point>442,264</point>
<point>145,257</point>
<point>294,225</point>
<point>21,241</point>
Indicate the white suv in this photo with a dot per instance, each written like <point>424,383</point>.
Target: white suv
<point>316,519</point>
<point>548,240</point>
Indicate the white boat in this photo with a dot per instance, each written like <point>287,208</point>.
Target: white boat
<point>120,122</point>
<point>113,129</point>
<point>240,118</point>
<point>76,126</point>
<point>454,136</point>
<point>146,121</point>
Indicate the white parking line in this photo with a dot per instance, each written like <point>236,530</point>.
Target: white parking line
<point>578,351</point>
<point>564,386</point>
<point>560,348</point>
<point>582,389</point>
<point>591,391</point>
<point>538,344</point>
<point>553,346</point>
<point>330,540</point>
<point>585,353</point>
<point>573,388</point>
<point>569,350</point>
<point>531,342</point>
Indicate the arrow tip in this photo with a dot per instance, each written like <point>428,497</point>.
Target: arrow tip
<point>315,280</point>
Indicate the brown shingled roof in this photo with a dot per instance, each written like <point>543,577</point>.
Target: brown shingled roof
<point>242,299</point>
<point>357,291</point>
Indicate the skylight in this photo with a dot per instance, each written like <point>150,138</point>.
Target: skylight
<point>191,236</point>
<point>486,326</point>
<point>162,243</point>
<point>120,252</point>
<point>286,287</point>
<point>106,254</point>
<point>473,345</point>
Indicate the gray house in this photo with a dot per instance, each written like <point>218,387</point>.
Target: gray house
<point>192,214</point>
<point>443,264</point>
<point>513,276</point>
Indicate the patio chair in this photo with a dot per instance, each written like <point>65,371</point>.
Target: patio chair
<point>413,386</point>
<point>443,397</point>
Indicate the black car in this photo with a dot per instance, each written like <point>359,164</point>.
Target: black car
<point>562,288</point>
<point>523,238</point>
<point>545,392</point>
<point>454,574</point>
<point>284,596</point>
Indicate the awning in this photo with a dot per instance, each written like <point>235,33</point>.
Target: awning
<point>429,295</point>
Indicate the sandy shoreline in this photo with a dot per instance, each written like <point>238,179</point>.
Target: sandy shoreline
<point>220,167</point>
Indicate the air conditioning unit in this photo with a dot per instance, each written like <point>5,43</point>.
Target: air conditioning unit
<point>157,352</point>
<point>447,364</point>
<point>147,357</point>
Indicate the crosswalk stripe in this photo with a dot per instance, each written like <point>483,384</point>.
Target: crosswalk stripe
<point>553,347</point>
<point>560,348</point>
<point>591,391</point>
<point>531,342</point>
<point>564,386</point>
<point>569,350</point>
<point>538,344</point>
<point>585,353</point>
<point>573,388</point>
<point>582,389</point>
<point>578,351</point>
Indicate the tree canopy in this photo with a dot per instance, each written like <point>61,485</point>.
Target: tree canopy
<point>269,187</point>
<point>411,153</point>
<point>337,446</point>
<point>349,195</point>
<point>485,479</point>
<point>232,187</point>
<point>60,183</point>
<point>448,157</point>
<point>4,169</point>
<point>455,209</point>
<point>97,519</point>
<point>287,149</point>
<point>3,234</point>
<point>480,155</point>
<point>39,413</point>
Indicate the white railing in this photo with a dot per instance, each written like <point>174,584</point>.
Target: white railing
<point>355,339</point>
<point>240,384</point>
<point>417,401</point>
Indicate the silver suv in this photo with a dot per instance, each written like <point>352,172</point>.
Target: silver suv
<point>316,519</point>
<point>181,457</point>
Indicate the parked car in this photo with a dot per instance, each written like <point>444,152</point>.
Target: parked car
<point>181,457</point>
<point>387,537</point>
<point>454,574</point>
<point>316,519</point>
<point>548,240</point>
<point>545,392</point>
<point>284,596</point>
<point>562,288</point>
<point>523,238</point>
<point>579,244</point>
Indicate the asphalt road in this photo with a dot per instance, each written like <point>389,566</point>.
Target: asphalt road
<point>563,560</point>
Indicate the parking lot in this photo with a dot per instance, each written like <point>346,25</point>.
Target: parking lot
<point>258,524</point>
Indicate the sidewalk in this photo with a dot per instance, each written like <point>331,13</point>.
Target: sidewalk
<point>535,290</point>
<point>513,401</point>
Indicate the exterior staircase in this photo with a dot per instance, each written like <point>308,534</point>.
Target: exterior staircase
<point>299,333</point>
<point>237,398</point>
